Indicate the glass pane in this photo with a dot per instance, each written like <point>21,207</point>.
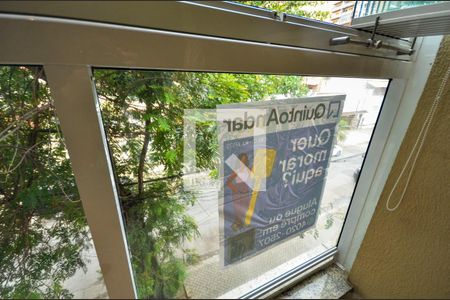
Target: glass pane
<point>337,12</point>
<point>368,8</point>
<point>46,250</point>
<point>176,221</point>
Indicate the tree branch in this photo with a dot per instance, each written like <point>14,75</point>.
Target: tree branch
<point>142,156</point>
<point>18,123</point>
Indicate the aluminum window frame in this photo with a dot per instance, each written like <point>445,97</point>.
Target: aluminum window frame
<point>69,49</point>
<point>212,18</point>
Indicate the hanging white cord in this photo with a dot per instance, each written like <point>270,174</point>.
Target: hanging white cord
<point>421,138</point>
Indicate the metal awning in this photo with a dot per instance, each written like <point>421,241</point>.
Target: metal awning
<point>410,22</point>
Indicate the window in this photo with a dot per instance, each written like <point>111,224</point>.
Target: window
<point>101,90</point>
<point>173,233</point>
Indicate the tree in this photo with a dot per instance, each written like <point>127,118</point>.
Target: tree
<point>42,226</point>
<point>306,9</point>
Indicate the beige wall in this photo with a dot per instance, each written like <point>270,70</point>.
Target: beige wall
<point>406,253</point>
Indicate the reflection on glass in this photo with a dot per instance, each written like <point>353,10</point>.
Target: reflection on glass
<point>173,233</point>
<point>336,12</point>
<point>368,8</point>
<point>45,245</point>
<point>318,10</point>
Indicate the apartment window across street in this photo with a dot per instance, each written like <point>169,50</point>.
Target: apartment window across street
<point>227,152</point>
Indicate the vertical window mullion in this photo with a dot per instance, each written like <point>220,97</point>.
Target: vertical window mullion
<point>77,109</point>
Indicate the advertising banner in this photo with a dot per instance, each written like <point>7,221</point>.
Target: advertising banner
<point>275,156</point>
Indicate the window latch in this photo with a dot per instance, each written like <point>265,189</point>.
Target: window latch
<point>370,43</point>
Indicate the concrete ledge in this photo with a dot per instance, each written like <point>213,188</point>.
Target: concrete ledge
<point>329,283</point>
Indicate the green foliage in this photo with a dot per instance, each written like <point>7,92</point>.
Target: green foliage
<point>157,228</point>
<point>191,257</point>
<point>42,226</point>
<point>43,229</point>
<point>329,222</point>
<point>343,127</point>
<point>293,7</point>
<point>142,96</point>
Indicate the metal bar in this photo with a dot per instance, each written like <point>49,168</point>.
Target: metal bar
<point>368,43</point>
<point>418,26</point>
<point>355,7</point>
<point>389,5</point>
<point>377,10</point>
<point>204,18</point>
<point>428,22</point>
<point>384,5</point>
<point>361,8</point>
<point>56,41</point>
<point>77,108</point>
<point>414,26</point>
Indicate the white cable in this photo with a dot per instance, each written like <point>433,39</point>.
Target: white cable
<point>421,138</point>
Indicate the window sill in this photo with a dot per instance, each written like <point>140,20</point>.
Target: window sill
<point>329,283</point>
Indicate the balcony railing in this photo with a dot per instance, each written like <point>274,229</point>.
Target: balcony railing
<point>403,19</point>
<point>367,8</point>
